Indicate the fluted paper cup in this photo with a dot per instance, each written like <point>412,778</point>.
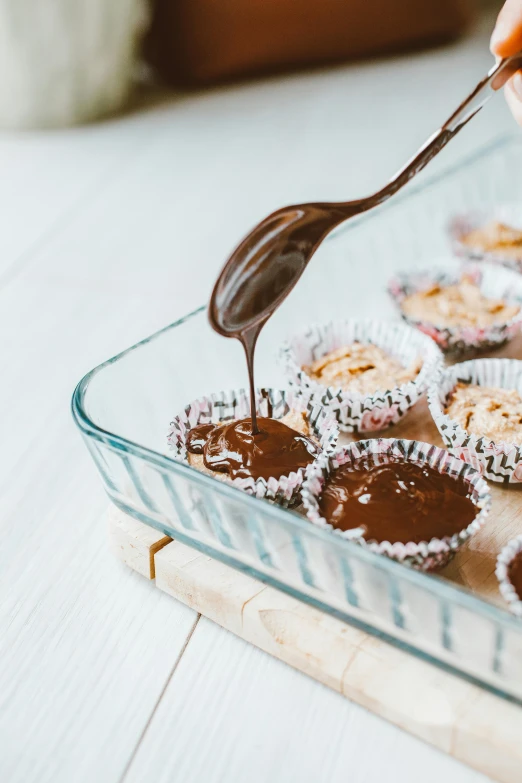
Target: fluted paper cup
<point>427,555</point>
<point>362,412</point>
<point>509,213</point>
<point>504,560</point>
<point>496,460</point>
<point>493,282</point>
<point>235,404</point>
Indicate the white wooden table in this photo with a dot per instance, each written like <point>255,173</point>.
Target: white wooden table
<point>107,233</point>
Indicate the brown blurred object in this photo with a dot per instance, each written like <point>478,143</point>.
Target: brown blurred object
<point>203,41</point>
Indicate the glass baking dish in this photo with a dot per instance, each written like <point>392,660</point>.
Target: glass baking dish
<point>124,406</point>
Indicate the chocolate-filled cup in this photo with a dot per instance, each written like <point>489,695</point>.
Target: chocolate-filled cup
<point>439,546</point>
<point>232,405</point>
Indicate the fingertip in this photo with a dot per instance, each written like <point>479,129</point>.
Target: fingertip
<point>516,84</point>
<point>513,100</point>
<point>513,89</point>
<point>506,39</point>
<point>500,35</point>
<point>495,42</point>
<point>500,44</point>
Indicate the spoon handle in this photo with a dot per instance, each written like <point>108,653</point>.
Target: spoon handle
<point>496,77</point>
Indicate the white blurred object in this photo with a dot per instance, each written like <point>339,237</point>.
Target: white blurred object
<point>64,62</point>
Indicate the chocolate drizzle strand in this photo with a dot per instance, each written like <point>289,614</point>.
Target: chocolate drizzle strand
<point>397,501</point>
<point>275,450</point>
<point>261,273</point>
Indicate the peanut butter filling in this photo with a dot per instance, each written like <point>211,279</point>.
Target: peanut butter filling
<point>496,237</point>
<point>492,412</point>
<point>361,368</point>
<point>462,304</point>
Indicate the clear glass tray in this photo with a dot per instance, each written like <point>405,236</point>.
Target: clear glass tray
<point>124,406</point>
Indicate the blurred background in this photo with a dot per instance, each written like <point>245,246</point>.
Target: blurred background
<point>239,106</point>
<point>70,61</point>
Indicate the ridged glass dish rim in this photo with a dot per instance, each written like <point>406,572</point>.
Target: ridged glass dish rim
<point>445,590</point>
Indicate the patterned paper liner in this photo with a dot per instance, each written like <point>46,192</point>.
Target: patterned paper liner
<point>424,556</point>
<point>504,560</point>
<point>497,461</point>
<point>509,213</point>
<point>493,282</point>
<point>235,404</point>
<point>356,412</point>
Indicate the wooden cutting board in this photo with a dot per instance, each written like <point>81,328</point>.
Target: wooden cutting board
<point>476,727</point>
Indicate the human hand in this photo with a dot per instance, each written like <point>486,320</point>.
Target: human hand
<point>506,41</point>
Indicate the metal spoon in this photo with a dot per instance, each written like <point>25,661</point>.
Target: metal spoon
<point>267,264</point>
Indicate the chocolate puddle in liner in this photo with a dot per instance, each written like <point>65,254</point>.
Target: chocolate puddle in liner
<point>397,502</point>
<point>277,450</point>
<point>197,438</point>
<point>515,574</point>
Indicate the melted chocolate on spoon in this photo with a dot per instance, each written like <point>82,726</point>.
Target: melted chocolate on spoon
<point>276,450</point>
<point>397,502</point>
<point>262,272</point>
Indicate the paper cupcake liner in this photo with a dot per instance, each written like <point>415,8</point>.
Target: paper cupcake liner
<point>497,461</point>
<point>235,404</point>
<point>493,282</point>
<point>504,560</point>
<point>424,556</point>
<point>357,412</point>
<point>509,213</point>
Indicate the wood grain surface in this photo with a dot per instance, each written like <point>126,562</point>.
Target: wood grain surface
<point>461,719</point>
